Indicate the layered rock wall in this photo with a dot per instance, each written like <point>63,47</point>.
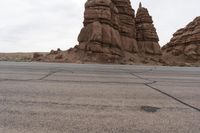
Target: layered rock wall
<point>109,27</point>
<point>126,25</point>
<point>100,33</point>
<point>185,44</point>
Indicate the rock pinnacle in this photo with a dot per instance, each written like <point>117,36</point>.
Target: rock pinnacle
<point>140,5</point>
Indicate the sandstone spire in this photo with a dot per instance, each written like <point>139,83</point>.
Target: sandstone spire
<point>147,37</point>
<point>140,5</point>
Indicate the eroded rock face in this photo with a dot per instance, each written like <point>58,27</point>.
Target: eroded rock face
<point>127,29</point>
<point>109,30</point>
<point>147,37</point>
<point>185,44</point>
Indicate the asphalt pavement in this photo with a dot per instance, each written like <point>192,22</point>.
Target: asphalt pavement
<point>92,98</point>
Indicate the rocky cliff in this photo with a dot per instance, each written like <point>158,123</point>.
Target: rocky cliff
<point>184,47</point>
<point>112,34</point>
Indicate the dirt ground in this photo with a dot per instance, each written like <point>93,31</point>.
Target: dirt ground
<point>16,56</point>
<point>64,57</point>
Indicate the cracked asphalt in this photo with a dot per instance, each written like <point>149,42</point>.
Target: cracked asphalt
<point>91,98</point>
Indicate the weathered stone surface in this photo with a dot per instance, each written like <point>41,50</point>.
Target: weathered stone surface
<point>109,28</point>
<point>185,44</point>
<point>147,37</point>
<point>127,25</point>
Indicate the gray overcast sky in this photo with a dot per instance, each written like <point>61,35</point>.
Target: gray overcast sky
<point>42,25</point>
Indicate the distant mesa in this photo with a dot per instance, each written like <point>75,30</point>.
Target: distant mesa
<point>184,47</point>
<point>112,34</point>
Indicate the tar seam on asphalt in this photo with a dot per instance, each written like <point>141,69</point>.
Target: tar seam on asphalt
<point>53,72</point>
<point>162,92</point>
<point>49,74</point>
<point>176,99</point>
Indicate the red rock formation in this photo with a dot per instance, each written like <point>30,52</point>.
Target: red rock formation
<point>147,37</point>
<point>100,37</point>
<point>184,47</point>
<point>109,35</point>
<point>109,30</point>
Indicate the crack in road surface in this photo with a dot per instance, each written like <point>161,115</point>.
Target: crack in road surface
<point>174,98</point>
<point>162,92</point>
<point>42,78</point>
<point>50,74</point>
<point>135,74</point>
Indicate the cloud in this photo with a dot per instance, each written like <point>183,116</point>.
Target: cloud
<point>35,25</point>
<point>42,25</point>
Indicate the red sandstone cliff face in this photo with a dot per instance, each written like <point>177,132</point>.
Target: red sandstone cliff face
<point>184,47</point>
<point>108,32</point>
<point>112,34</point>
<point>126,25</point>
